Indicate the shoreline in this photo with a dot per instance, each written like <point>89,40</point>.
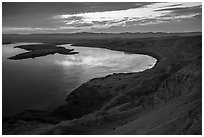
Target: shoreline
<point>34,47</point>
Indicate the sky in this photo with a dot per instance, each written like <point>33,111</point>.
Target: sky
<point>109,17</point>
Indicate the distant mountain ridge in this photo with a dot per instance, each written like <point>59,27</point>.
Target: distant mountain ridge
<point>102,33</point>
<point>6,38</point>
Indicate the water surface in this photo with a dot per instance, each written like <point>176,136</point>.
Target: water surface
<point>43,82</point>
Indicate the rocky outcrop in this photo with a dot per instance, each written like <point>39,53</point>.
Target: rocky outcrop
<point>185,82</point>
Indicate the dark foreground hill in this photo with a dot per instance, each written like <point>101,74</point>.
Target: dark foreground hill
<point>166,99</point>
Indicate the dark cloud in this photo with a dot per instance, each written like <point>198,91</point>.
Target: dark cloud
<point>75,18</point>
<point>177,12</point>
<point>184,11</point>
<point>172,5</point>
<point>100,22</point>
<point>189,10</point>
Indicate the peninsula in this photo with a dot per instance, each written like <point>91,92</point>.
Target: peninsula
<point>38,50</point>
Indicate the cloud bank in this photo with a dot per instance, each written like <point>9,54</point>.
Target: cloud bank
<point>141,15</point>
<point>149,14</point>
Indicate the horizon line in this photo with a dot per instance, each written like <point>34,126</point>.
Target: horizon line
<point>104,33</point>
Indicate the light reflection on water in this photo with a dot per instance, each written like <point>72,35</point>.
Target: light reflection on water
<point>43,82</point>
<point>107,59</point>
